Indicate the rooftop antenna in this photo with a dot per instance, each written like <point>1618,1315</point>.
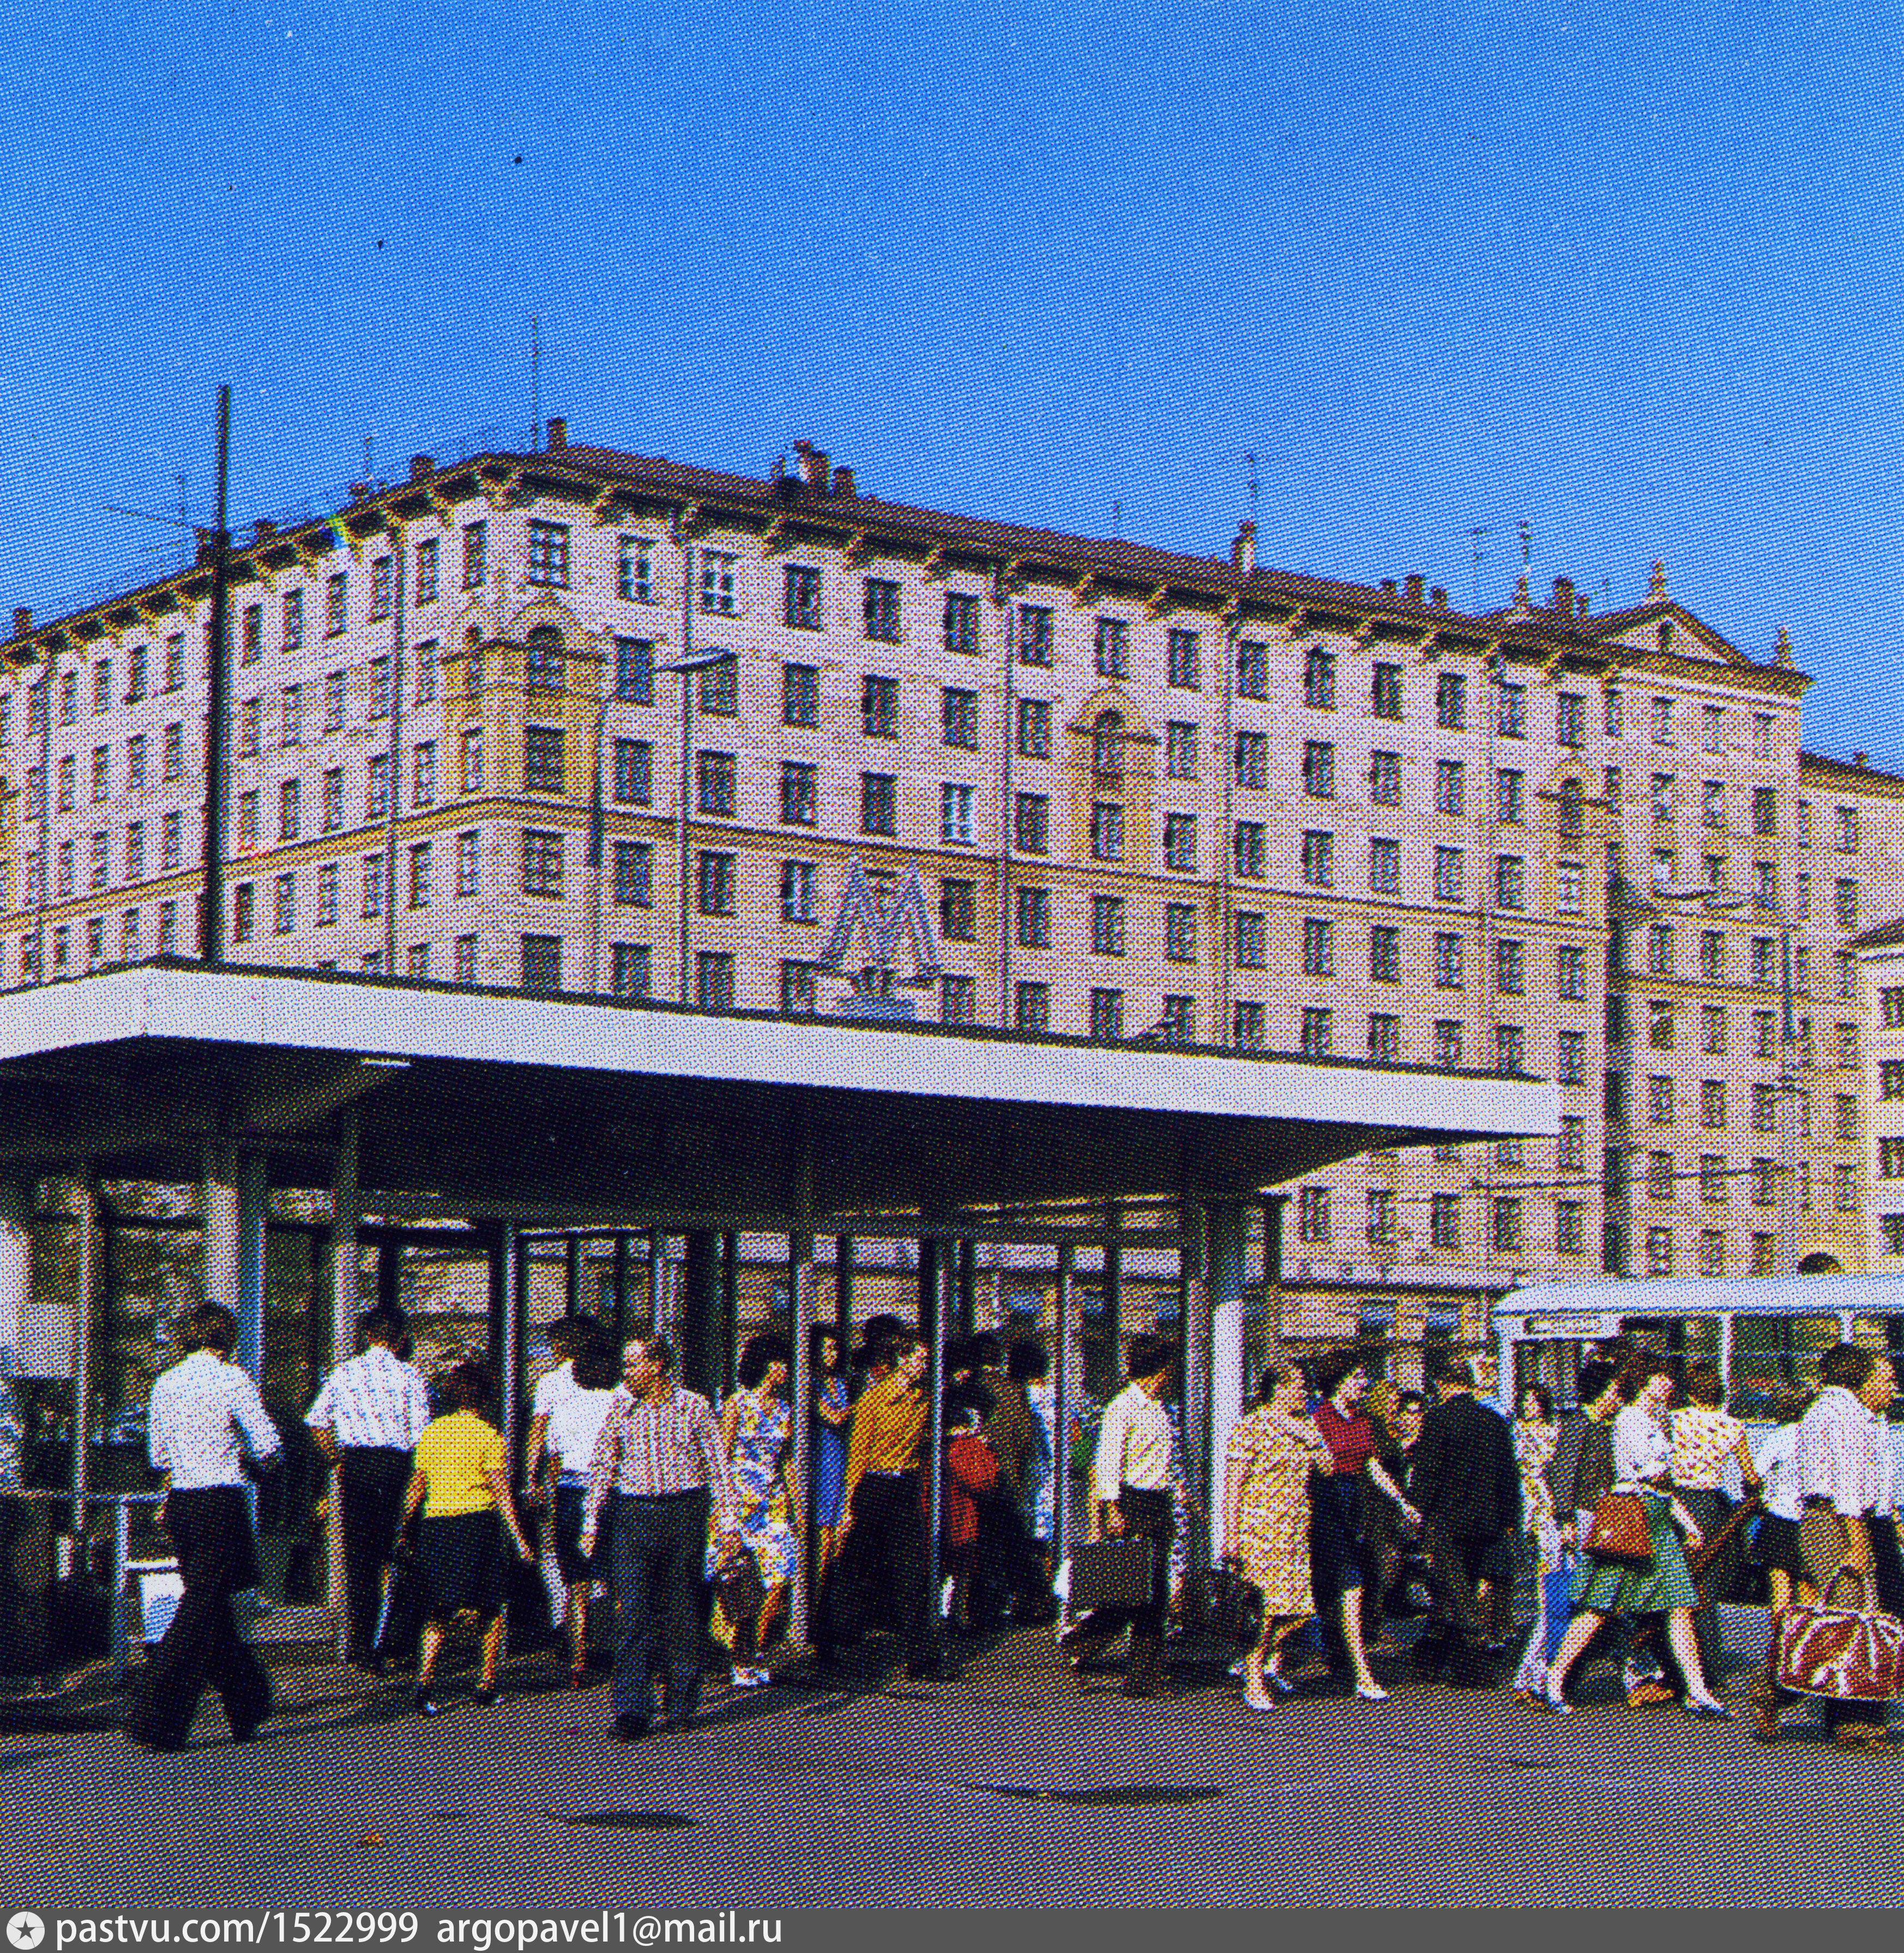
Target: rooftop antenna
<point>535,382</point>
<point>1475,554</point>
<point>1117,522</point>
<point>1255,487</point>
<point>1526,546</point>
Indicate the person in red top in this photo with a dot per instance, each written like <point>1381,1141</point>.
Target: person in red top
<point>971,1473</point>
<point>1336,1530</point>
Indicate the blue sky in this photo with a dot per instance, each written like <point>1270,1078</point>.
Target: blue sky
<point>1628,275</point>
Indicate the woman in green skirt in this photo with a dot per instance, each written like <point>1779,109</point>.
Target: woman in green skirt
<point>1642,1457</point>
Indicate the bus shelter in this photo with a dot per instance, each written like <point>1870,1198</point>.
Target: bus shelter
<point>425,1104</point>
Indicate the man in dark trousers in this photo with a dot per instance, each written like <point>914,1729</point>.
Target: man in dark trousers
<point>1464,1478</point>
<point>204,1421</point>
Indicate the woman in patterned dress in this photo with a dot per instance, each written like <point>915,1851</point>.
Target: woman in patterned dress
<point>833,1406</point>
<point>1266,1520</point>
<point>1704,1435</point>
<point>756,1427</point>
<point>1535,1434</point>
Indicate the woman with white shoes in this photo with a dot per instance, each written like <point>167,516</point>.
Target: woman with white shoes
<point>756,1429</point>
<point>1266,1518</point>
<point>1642,1458</point>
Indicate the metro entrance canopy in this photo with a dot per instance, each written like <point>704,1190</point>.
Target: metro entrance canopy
<point>412,1099</point>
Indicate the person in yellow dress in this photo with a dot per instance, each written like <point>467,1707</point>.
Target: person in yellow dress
<point>461,1481</point>
<point>1266,1520</point>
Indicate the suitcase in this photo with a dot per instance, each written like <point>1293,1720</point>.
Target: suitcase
<point>1845,1654</point>
<point>1112,1573</point>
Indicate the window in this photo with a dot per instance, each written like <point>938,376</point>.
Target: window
<point>1031,1007</point>
<point>1510,882</point>
<point>1249,860</point>
<point>1847,830</point>
<point>1031,823</point>
<point>1847,969</point>
<point>1569,887</point>
<point>1892,1228</point>
<point>1180,932</point>
<point>634,671</point>
<point>1319,680</point>
<point>1507,1227</point>
<point>713,890</point>
<point>1246,1026</point>
<point>1185,654</point>
<point>426,572</point>
<point>334,611</point>
<point>69,698</point>
<point>1107,925</point>
<point>880,606</point>
<point>633,969</point>
<point>796,891</point>
<point>1712,1104</point>
<point>957,1000</point>
<point>1847,904</point>
<point>468,863</point>
<point>1659,1100</point>
<point>101,773</point>
<point>379,592</point>
<point>1385,867</point>
<point>1447,961</point>
<point>1450,875</point>
<point>243,900</point>
<point>1451,788</point>
<point>248,821</point>
<point>714,777</point>
<point>1113,655</point>
<point>955,814</point>
<point>1312,1214</point>
<point>422,855</point>
<point>1447,1044</point>
<point>799,794</point>
<point>1382,1216</point>
<point>1845,1127</point>
<point>102,877</point>
<point>1253,760</point>
<point>879,707</point>
<point>1569,719</point>
<point>958,910</point>
<point>541,667</point>
<point>548,553</point>
<point>1385,954</point>
<point>1663,722</point>
<point>1659,1176</point>
<point>1034,634</point>
<point>327,894</point>
<point>1252,670</point>
<point>1107,1015</point>
<point>1385,1038</point>
<point>1712,802</point>
<point>542,964</point>
<point>799,988</point>
<point>170,844</point>
<point>1252,941</point>
<point>1385,692</point>
<point>1451,701</point>
<point>1318,1031</point>
<point>1510,797</point>
<point>1107,831</point>
<point>876,811</point>
<point>423,775</point>
<point>801,601</point>
<point>1844,1184</point>
<point>1660,958</point>
<point>959,718</point>
<point>634,569</point>
<point>1034,728</point>
<point>1033,918</point>
<point>717,582</point>
<point>961,623</point>
<point>1444,1222</point>
<point>1384,778</point>
<point>1511,722</point>
<point>1510,967</point>
<point>288,810</point>
<point>1764,1035</point>
<point>136,852</point>
<point>1319,859</point>
<point>1510,1049</point>
<point>542,759</point>
<point>417,961</point>
<point>542,862</point>
<point>476,555</point>
<point>1318,946</point>
<point>634,875</point>
<point>1319,770</point>
<point>1891,1160</point>
<point>1180,750</point>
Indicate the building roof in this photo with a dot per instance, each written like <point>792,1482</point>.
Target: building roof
<point>1886,935</point>
<point>1852,774</point>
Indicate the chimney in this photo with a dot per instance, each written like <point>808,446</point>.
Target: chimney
<point>1242,551</point>
<point>263,529</point>
<point>1438,598</point>
<point>22,623</point>
<point>1861,759</point>
<point>1388,586</point>
<point>1563,596</point>
<point>1582,610</point>
<point>812,466</point>
<point>360,490</point>
<point>844,485</point>
<point>422,466</point>
<point>558,436</point>
<point>1414,588</point>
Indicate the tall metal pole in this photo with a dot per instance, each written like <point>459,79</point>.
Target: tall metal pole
<point>218,715</point>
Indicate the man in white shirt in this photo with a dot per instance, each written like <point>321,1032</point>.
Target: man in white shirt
<point>205,1420</point>
<point>1131,1481</point>
<point>366,1421</point>
<point>553,1388</point>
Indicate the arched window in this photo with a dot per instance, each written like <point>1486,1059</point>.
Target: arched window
<point>1107,743</point>
<point>544,672</point>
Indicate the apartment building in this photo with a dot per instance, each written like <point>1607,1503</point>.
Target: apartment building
<point>1146,794</point>
<point>1880,959</point>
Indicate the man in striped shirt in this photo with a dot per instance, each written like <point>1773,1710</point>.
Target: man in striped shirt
<point>660,1454</point>
<point>366,1420</point>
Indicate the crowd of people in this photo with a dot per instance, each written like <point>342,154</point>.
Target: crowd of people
<point>1346,1502</point>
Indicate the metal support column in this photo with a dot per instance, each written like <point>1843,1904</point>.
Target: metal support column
<point>932,1263</point>
<point>800,1391</point>
<point>512,1378</point>
<point>657,1282</point>
<point>389,1274</point>
<point>621,1286</point>
<point>343,1326</point>
<point>965,1316</point>
<point>1227,1233</point>
<point>572,1275</point>
<point>85,1208</point>
<point>700,1312</point>
<point>1114,1284</point>
<point>1062,1527</point>
<point>16,1272</point>
<point>843,1294</point>
<point>935,1272</point>
<point>1194,1328</point>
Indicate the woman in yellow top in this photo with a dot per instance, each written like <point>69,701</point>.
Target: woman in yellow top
<point>462,1483</point>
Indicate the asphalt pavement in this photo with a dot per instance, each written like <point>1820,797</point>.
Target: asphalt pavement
<point>1014,1783</point>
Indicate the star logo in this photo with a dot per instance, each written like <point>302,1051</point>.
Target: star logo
<point>26,1930</point>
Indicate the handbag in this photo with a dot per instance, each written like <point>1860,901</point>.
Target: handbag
<point>1112,1573</point>
<point>738,1588</point>
<point>1619,1529</point>
<point>1847,1654</point>
<point>1235,1605</point>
